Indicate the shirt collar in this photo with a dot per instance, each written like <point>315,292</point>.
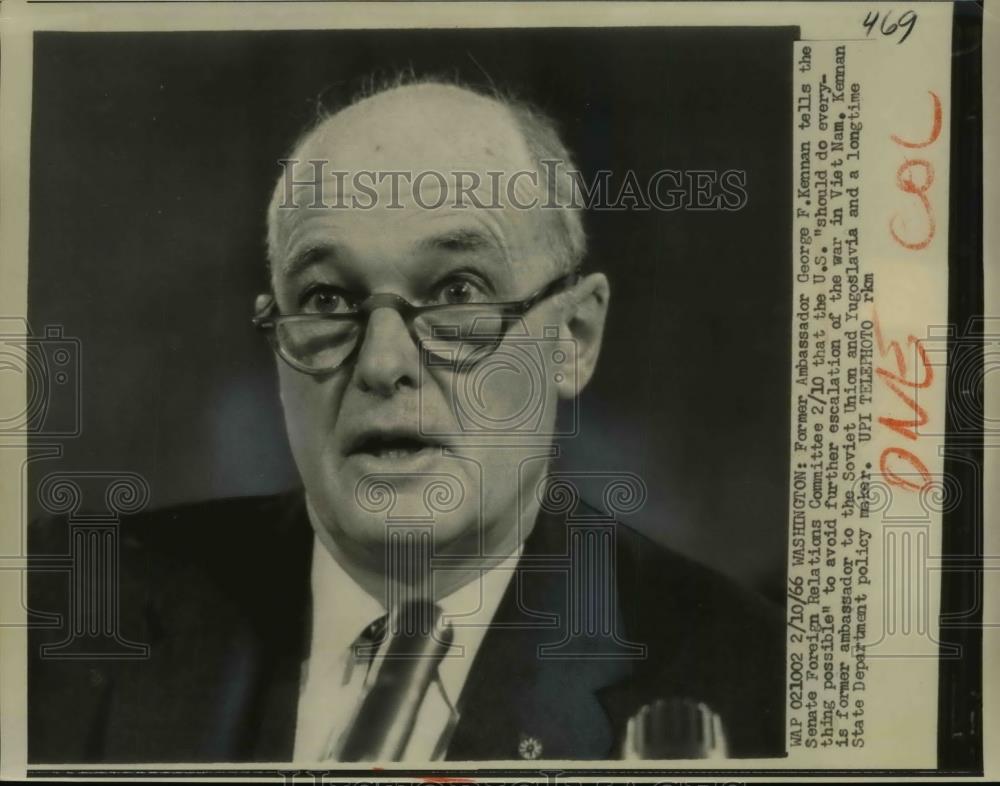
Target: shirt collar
<point>342,610</point>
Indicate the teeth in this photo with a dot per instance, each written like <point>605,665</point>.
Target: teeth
<point>397,449</point>
<point>395,453</point>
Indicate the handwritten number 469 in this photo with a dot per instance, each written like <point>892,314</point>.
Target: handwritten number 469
<point>906,21</point>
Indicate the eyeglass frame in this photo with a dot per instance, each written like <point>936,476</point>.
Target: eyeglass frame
<point>265,320</point>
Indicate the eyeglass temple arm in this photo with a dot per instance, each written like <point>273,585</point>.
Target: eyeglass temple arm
<point>561,283</point>
<point>262,318</point>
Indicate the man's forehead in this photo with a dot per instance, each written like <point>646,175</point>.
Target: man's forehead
<point>321,236</point>
<point>417,128</point>
<point>437,136</point>
<point>504,243</point>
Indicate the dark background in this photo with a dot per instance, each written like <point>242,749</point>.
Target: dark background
<point>152,160</point>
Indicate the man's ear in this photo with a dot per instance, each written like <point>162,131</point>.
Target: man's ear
<point>262,302</point>
<point>585,323</point>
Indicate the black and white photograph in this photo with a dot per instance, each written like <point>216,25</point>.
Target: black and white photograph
<point>517,320</point>
<point>426,397</point>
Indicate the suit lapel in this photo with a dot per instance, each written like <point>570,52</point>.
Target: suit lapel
<point>533,691</point>
<point>226,644</point>
<point>283,629</point>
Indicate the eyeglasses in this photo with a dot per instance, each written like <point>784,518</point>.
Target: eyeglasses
<point>454,335</point>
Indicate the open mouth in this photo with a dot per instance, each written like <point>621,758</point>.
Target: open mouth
<point>392,446</point>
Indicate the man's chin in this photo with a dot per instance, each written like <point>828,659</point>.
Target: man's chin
<point>410,528</point>
<point>423,486</point>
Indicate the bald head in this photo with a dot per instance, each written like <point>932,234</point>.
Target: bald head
<point>418,140</point>
<point>420,126</point>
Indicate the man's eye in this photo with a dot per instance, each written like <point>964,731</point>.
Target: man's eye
<point>325,300</point>
<point>458,292</point>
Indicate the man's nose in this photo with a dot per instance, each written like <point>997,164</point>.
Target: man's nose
<point>388,359</point>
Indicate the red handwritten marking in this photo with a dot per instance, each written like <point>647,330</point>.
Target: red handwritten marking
<point>900,358</point>
<point>909,186</point>
<point>896,381</point>
<point>935,128</point>
<point>906,183</point>
<point>893,459</point>
<point>916,464</point>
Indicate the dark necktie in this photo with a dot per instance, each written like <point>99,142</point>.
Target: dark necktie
<point>382,725</point>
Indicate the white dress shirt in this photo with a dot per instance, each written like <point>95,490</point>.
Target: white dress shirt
<point>333,680</point>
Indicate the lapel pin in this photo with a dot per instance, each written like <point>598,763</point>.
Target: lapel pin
<point>529,747</point>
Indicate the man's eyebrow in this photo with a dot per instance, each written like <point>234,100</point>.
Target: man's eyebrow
<point>459,240</point>
<point>309,255</point>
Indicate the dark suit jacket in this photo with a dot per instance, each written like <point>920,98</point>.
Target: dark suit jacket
<point>220,593</point>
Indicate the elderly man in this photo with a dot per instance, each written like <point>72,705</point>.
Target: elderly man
<point>427,594</point>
